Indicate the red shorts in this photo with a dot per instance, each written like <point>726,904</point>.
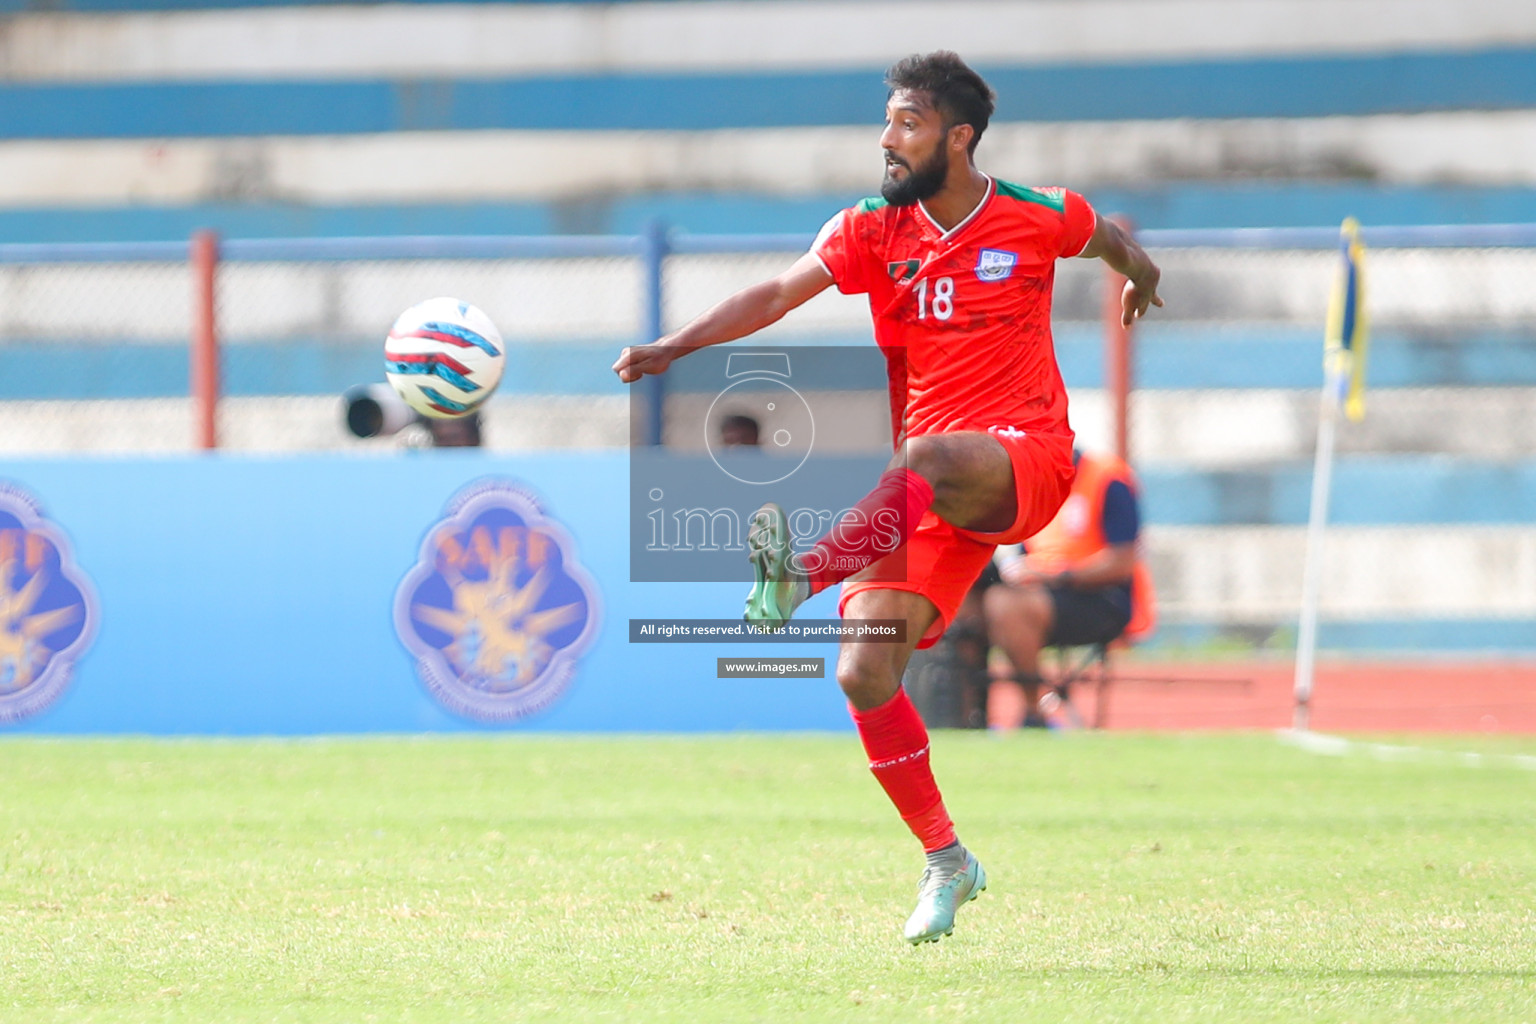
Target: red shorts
<point>941,561</point>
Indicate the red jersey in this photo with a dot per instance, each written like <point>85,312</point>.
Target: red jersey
<point>964,316</point>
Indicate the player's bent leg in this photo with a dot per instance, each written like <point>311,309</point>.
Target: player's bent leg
<point>881,522</point>
<point>896,742</point>
<point>870,672</point>
<point>972,478</point>
<point>966,478</point>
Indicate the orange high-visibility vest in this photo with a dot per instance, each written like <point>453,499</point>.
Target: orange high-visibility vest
<point>1077,533</point>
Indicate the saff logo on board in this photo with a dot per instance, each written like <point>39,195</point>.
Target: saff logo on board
<point>48,609</point>
<point>497,610</point>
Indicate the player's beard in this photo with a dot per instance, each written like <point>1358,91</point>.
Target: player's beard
<point>922,182</point>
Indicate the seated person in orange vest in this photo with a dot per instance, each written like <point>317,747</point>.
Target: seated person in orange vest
<point>1080,581</point>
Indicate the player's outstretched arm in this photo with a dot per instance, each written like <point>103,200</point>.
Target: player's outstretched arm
<point>749,310</point>
<point>1115,246</point>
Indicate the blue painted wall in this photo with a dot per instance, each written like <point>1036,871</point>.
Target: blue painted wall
<point>254,596</point>
<point>1489,79</point>
<point>1164,205</point>
<point>1402,490</point>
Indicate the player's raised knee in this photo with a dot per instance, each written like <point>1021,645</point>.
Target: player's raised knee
<point>928,457</point>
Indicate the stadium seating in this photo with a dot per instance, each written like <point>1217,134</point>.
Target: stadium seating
<point>144,119</point>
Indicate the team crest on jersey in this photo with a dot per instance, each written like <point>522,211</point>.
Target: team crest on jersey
<point>996,264</point>
<point>47,608</point>
<point>902,270</point>
<point>497,610</point>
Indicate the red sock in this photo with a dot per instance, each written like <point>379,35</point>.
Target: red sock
<point>897,744</point>
<point>879,524</point>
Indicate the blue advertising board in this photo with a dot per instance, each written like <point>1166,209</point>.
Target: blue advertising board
<point>430,591</point>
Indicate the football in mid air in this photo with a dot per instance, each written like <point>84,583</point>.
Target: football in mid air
<point>444,357</point>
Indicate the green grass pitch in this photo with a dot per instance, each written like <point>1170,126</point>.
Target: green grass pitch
<point>757,878</point>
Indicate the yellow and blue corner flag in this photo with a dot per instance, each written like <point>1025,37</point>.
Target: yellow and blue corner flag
<point>1348,332</point>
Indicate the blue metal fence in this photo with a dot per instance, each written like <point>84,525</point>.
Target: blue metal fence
<point>1183,355</point>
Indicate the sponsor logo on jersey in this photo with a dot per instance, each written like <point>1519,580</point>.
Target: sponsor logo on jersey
<point>497,610</point>
<point>902,270</point>
<point>47,608</point>
<point>996,264</point>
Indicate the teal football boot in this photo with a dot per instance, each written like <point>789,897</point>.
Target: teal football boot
<point>776,590</point>
<point>939,896</point>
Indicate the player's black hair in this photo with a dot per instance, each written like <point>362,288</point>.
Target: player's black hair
<point>956,92</point>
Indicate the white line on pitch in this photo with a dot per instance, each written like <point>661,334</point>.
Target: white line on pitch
<point>1338,746</point>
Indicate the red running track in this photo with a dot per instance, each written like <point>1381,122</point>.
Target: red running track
<point>1348,696</point>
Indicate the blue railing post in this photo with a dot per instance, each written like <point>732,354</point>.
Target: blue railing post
<point>655,245</point>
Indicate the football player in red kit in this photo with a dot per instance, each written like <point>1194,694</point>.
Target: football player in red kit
<point>958,267</point>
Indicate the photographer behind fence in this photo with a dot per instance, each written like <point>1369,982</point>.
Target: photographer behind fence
<point>374,410</point>
<point>1079,581</point>
<point>738,431</point>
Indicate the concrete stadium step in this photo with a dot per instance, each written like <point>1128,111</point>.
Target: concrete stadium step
<point>1236,575</point>
<point>194,38</point>
<point>1229,428</point>
<point>1472,148</point>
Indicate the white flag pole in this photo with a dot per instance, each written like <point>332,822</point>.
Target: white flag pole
<point>1344,342</point>
<point>1312,571</point>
